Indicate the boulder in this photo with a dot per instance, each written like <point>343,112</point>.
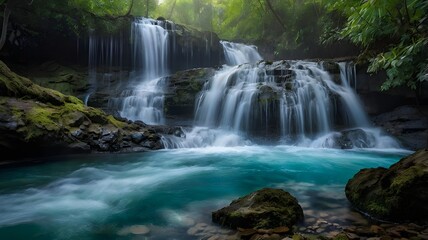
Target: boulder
<point>399,193</point>
<point>182,91</point>
<point>354,138</point>
<point>264,209</point>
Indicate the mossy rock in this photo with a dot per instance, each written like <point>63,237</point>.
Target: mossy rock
<point>65,79</point>
<point>39,121</point>
<point>264,209</point>
<point>399,193</point>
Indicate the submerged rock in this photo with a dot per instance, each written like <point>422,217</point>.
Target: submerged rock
<point>399,193</point>
<point>264,209</point>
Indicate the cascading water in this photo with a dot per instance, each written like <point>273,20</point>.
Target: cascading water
<point>150,59</point>
<point>106,57</point>
<point>210,102</point>
<point>237,53</point>
<point>295,101</point>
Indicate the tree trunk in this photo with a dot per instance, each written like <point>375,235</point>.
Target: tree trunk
<point>278,18</point>
<point>4,28</point>
<point>147,9</point>
<point>172,9</point>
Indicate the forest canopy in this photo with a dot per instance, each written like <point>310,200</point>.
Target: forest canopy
<point>390,35</point>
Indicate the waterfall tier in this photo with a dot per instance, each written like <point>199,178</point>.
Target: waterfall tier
<point>238,53</point>
<point>291,101</point>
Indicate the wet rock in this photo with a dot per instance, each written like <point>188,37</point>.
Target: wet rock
<point>353,138</point>
<point>138,137</point>
<point>80,147</point>
<point>183,88</point>
<point>398,193</point>
<point>264,209</point>
<point>409,124</point>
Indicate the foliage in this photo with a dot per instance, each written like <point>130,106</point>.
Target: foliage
<point>393,33</point>
<point>284,24</point>
<point>396,30</point>
<point>75,17</point>
<point>197,13</point>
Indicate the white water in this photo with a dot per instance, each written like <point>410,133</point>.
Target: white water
<point>306,106</point>
<point>237,53</point>
<point>204,137</point>
<point>150,48</point>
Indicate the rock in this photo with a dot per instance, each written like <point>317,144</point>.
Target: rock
<point>281,230</point>
<point>409,124</point>
<point>352,138</point>
<point>137,137</point>
<point>75,119</point>
<point>246,232</point>
<point>398,193</point>
<point>264,209</point>
<point>376,229</point>
<point>39,122</point>
<point>135,229</point>
<point>183,88</point>
<point>193,230</point>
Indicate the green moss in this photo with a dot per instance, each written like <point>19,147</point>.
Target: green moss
<point>39,120</point>
<point>115,122</point>
<point>70,107</point>
<point>406,177</point>
<point>43,116</point>
<point>379,209</point>
<point>341,236</point>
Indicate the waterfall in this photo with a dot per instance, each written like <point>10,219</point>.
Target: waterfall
<point>105,61</point>
<point>145,101</point>
<point>237,53</point>
<point>150,48</point>
<point>293,101</point>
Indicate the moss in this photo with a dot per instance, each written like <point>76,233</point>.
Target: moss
<point>67,80</point>
<point>406,177</point>
<point>341,236</point>
<point>12,85</point>
<point>379,209</point>
<point>116,123</point>
<point>43,117</point>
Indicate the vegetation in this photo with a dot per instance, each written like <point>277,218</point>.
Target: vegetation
<point>392,35</point>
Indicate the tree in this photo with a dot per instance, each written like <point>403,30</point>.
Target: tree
<point>9,6</point>
<point>394,34</point>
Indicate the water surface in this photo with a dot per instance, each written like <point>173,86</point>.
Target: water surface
<point>171,191</point>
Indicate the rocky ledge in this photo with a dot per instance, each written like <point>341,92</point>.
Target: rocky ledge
<point>397,194</point>
<point>36,121</point>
